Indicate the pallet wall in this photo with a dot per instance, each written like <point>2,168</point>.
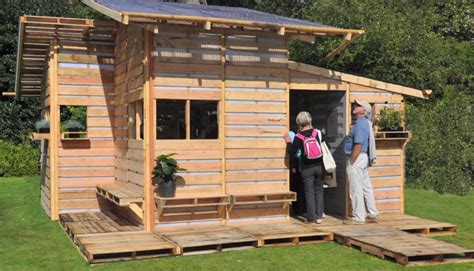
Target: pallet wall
<point>129,80</point>
<point>388,173</point>
<point>85,77</point>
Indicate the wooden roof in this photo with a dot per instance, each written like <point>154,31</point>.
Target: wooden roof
<point>36,36</point>
<point>150,11</point>
<point>359,80</point>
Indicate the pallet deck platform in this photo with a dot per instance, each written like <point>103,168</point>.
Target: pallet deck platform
<point>104,237</point>
<point>76,224</point>
<point>417,225</point>
<point>406,249</point>
<point>192,240</point>
<point>119,246</point>
<point>285,232</point>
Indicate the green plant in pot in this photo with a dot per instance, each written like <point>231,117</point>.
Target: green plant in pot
<point>390,120</point>
<point>73,127</point>
<point>164,174</point>
<point>42,126</point>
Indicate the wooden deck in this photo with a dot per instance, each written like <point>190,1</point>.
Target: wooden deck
<point>104,237</point>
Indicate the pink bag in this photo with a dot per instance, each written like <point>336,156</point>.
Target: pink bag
<point>311,146</point>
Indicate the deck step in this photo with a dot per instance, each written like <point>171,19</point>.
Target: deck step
<point>407,249</point>
<point>208,239</point>
<point>122,246</point>
<point>285,232</point>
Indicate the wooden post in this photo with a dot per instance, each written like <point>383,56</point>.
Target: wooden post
<point>149,133</point>
<point>346,130</point>
<point>54,133</point>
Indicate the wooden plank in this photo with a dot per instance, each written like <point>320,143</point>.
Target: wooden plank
<point>201,166</point>
<point>255,164</point>
<point>86,100</point>
<point>194,144</point>
<point>388,194</point>
<point>191,154</point>
<point>385,171</point>
<point>376,182</point>
<point>85,90</point>
<point>255,108</point>
<point>236,176</point>
<point>255,153</point>
<point>86,162</point>
<point>261,131</point>
<point>90,80</point>
<point>89,59</point>
<point>259,144</point>
<point>256,96</point>
<point>92,172</point>
<point>255,119</point>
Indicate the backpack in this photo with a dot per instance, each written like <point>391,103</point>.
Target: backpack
<point>311,146</point>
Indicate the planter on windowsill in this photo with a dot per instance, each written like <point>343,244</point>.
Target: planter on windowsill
<point>399,134</point>
<point>74,136</point>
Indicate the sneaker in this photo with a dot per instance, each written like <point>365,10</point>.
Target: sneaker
<point>301,218</point>
<point>319,221</point>
<point>374,219</point>
<point>310,222</point>
<point>353,222</point>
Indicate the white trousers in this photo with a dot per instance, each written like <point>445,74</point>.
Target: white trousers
<point>360,189</point>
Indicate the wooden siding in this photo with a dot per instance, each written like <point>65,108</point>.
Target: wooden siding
<point>129,81</point>
<point>85,77</point>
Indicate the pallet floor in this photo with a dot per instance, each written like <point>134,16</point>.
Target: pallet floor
<point>208,239</point>
<point>285,232</point>
<point>104,237</point>
<point>404,248</point>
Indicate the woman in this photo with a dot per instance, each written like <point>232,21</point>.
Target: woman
<point>311,170</point>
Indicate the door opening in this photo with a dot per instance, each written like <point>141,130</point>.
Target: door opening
<point>328,111</point>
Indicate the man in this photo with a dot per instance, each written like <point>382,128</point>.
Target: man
<point>357,147</point>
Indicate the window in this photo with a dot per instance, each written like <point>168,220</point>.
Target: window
<point>186,119</point>
<point>135,120</point>
<point>204,123</point>
<point>171,119</point>
<point>73,120</point>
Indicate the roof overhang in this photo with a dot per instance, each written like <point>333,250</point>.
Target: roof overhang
<point>37,35</point>
<point>359,80</point>
<point>208,22</point>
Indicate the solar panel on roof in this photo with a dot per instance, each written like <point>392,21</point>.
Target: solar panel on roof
<point>208,11</point>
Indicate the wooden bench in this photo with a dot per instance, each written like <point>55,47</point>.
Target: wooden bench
<point>261,198</point>
<point>119,194</point>
<point>190,203</point>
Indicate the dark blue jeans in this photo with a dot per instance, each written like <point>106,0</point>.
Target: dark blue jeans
<point>314,192</point>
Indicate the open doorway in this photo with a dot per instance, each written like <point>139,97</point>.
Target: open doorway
<point>329,115</point>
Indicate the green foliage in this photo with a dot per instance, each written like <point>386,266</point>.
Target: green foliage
<point>17,118</point>
<point>165,169</point>
<point>77,114</point>
<point>390,119</point>
<point>440,155</point>
<point>18,160</point>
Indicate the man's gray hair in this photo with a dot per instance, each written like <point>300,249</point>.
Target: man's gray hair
<point>304,119</point>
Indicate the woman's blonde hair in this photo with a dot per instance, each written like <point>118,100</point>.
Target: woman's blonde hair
<point>304,119</point>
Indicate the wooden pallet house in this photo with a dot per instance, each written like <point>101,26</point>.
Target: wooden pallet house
<point>155,76</point>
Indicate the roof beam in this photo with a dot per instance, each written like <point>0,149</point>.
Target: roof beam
<point>359,80</point>
<point>348,39</point>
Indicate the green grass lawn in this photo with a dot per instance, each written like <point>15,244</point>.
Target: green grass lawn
<point>30,241</point>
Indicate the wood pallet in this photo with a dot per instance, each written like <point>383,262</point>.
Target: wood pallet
<point>407,249</point>
<point>208,239</point>
<point>285,232</point>
<point>75,224</point>
<point>118,194</point>
<point>267,198</point>
<point>191,205</point>
<point>120,246</point>
<point>417,225</point>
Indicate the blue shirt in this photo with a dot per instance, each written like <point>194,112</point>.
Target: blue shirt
<point>359,134</point>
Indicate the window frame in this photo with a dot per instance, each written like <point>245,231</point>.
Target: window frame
<point>187,109</point>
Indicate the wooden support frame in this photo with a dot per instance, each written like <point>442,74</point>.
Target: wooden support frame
<point>54,133</point>
<point>149,132</point>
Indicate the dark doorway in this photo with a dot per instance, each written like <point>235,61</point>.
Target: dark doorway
<point>329,115</point>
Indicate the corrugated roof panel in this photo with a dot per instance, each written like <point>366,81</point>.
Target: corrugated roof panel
<point>207,11</point>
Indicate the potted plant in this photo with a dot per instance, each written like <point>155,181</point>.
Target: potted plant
<point>73,128</point>
<point>164,175</point>
<point>42,126</point>
<point>390,120</point>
